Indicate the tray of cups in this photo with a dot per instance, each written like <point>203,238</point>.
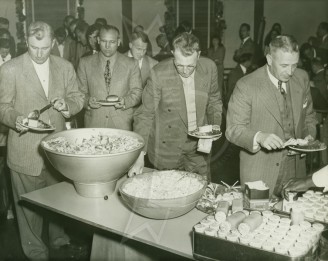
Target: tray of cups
<point>275,238</point>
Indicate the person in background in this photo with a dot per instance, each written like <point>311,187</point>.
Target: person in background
<point>92,36</point>
<point>109,73</point>
<point>29,82</point>
<point>242,68</point>
<point>5,55</point>
<point>4,24</point>
<point>165,51</point>
<point>247,44</point>
<point>216,52</point>
<point>67,20</point>
<point>322,36</point>
<point>319,80</point>
<point>138,48</point>
<point>82,46</point>
<point>101,21</point>
<point>72,40</point>
<point>318,179</point>
<point>181,94</point>
<point>276,27</point>
<point>61,46</point>
<point>307,54</point>
<point>140,28</point>
<point>267,108</point>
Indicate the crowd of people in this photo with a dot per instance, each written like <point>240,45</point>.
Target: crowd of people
<point>162,97</point>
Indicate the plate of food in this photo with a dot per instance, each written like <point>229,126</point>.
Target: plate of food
<point>308,146</point>
<point>110,100</point>
<point>206,132</point>
<point>37,125</point>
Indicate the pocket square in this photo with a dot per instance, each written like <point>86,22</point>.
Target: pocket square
<point>305,103</point>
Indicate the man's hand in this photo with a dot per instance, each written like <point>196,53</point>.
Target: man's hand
<point>120,104</point>
<point>19,127</point>
<point>269,141</point>
<point>93,103</point>
<point>59,104</point>
<point>138,166</point>
<point>297,185</point>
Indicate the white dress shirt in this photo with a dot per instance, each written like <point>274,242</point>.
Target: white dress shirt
<point>139,61</point>
<point>6,59</point>
<point>42,70</point>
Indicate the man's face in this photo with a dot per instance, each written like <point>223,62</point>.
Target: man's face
<point>282,64</point>
<point>60,39</point>
<point>92,38</point>
<point>4,52</point>
<point>243,32</point>
<point>185,65</point>
<point>39,50</point>
<point>81,38</point>
<point>138,49</point>
<point>108,42</point>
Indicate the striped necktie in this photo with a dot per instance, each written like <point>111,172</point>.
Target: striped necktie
<point>107,75</point>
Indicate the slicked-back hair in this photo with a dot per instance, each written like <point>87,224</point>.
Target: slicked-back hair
<point>286,43</point>
<point>109,27</point>
<point>139,35</point>
<point>186,43</point>
<point>39,30</point>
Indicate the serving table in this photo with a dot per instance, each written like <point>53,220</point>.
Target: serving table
<point>112,216</point>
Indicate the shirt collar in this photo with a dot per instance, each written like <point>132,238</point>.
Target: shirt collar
<point>319,71</point>
<point>243,68</point>
<point>104,59</point>
<point>274,80</point>
<point>324,37</point>
<point>130,54</point>
<point>245,39</point>
<point>43,65</point>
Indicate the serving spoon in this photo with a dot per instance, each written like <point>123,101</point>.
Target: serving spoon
<point>34,115</point>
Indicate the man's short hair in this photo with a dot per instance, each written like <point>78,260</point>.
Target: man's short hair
<point>286,43</point>
<point>186,43</point>
<point>138,28</point>
<point>248,27</point>
<point>4,43</point>
<point>93,28</point>
<point>4,31</point>
<point>101,21</point>
<point>60,32</point>
<point>4,21</point>
<point>108,27</point>
<point>139,35</point>
<point>39,30</point>
<point>245,57</point>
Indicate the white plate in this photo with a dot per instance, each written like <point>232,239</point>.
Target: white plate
<point>299,148</point>
<point>205,135</point>
<point>50,128</point>
<point>106,103</point>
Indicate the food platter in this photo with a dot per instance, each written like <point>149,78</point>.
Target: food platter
<point>312,146</point>
<point>42,126</point>
<point>215,133</point>
<point>106,103</point>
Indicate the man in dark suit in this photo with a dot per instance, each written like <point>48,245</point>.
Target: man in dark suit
<point>138,48</point>
<point>61,46</point>
<point>322,49</point>
<point>181,94</point>
<point>30,82</point>
<point>268,107</point>
<point>124,81</point>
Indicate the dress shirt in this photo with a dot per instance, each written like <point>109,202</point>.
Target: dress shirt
<point>42,70</point>
<point>275,81</point>
<point>6,59</point>
<point>139,61</point>
<point>245,39</point>
<point>243,68</point>
<point>190,96</point>
<point>320,178</point>
<point>60,49</point>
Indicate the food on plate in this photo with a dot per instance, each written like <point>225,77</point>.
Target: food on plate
<point>36,124</point>
<point>305,144</point>
<point>112,98</point>
<point>93,145</point>
<point>206,130</point>
<point>294,142</point>
<point>172,184</point>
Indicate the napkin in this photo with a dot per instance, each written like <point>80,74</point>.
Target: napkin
<point>259,185</point>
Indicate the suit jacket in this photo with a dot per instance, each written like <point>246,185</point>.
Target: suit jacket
<point>125,82</point>
<point>252,108</point>
<point>162,118</point>
<point>66,54</point>
<point>147,64</point>
<point>233,77</point>
<point>320,83</point>
<point>21,93</point>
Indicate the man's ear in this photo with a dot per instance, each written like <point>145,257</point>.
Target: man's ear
<point>269,59</point>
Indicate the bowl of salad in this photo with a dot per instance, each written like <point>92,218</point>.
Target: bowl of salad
<point>93,158</point>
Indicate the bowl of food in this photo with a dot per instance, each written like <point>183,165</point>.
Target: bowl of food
<point>163,194</point>
<point>93,158</point>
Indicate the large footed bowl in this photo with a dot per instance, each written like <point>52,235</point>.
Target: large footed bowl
<point>92,175</point>
<point>162,208</point>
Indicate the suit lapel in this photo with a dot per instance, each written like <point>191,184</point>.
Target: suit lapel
<point>32,79</point>
<point>268,97</point>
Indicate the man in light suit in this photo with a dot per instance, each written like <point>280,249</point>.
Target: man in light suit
<point>125,82</point>
<point>268,107</point>
<point>181,94</point>
<point>30,82</point>
<point>138,48</point>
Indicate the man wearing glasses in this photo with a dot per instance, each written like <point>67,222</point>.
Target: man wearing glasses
<point>181,94</point>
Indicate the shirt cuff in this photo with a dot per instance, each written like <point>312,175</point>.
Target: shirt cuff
<point>320,178</point>
<point>256,146</point>
<point>66,113</point>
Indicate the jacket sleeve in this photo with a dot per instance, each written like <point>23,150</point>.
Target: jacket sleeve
<point>133,96</point>
<point>83,82</point>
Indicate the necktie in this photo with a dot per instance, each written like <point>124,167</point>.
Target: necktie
<point>282,91</point>
<point>107,75</point>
